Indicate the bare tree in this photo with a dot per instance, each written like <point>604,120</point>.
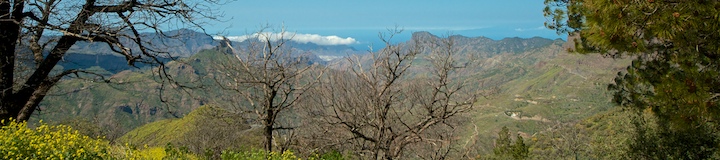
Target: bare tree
<point>269,79</point>
<point>36,34</point>
<point>377,110</point>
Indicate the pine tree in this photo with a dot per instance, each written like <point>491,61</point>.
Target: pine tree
<point>520,150</point>
<point>505,149</point>
<point>503,143</point>
<point>675,74</point>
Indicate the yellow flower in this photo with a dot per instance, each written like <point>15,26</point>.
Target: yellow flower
<point>47,142</point>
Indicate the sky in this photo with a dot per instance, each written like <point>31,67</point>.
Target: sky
<point>358,22</point>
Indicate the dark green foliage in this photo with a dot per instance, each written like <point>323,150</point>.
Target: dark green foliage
<point>656,140</point>
<point>674,74</point>
<point>505,149</point>
<point>520,150</point>
<point>502,143</point>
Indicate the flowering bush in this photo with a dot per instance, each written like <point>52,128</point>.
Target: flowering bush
<point>17,141</point>
<point>153,153</point>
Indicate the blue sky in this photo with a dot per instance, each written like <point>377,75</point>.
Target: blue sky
<point>363,19</point>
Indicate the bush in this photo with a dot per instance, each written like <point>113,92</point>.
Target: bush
<point>257,154</point>
<point>17,141</point>
<point>153,153</point>
<point>332,155</point>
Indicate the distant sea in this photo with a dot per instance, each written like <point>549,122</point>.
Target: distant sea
<point>368,37</point>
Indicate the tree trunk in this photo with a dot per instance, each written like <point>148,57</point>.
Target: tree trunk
<point>269,129</point>
<point>10,31</point>
<point>32,103</point>
<point>26,100</point>
<point>22,103</point>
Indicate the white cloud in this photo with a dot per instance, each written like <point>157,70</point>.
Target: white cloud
<point>297,37</point>
<point>443,28</point>
<point>530,29</point>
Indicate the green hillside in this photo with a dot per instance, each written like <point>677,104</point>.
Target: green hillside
<point>126,100</point>
<point>204,128</point>
<point>536,97</point>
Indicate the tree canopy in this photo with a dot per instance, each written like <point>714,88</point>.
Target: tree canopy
<point>674,75</point>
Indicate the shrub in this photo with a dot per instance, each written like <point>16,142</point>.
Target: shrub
<point>258,154</point>
<point>17,141</point>
<point>332,155</point>
<point>153,153</point>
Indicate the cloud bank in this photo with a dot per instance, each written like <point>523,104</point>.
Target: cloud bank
<point>297,37</point>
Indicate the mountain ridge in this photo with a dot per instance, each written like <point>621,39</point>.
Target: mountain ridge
<point>188,42</point>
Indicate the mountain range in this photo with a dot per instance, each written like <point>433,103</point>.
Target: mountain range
<point>538,85</point>
<point>180,44</point>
